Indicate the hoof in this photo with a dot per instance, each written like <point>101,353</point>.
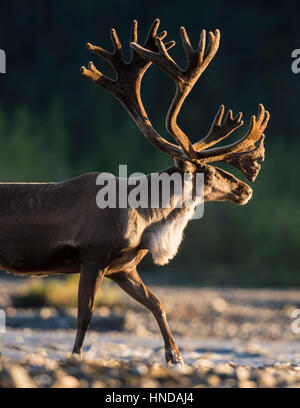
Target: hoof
<point>76,356</point>
<point>173,357</point>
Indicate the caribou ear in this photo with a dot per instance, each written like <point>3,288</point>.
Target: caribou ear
<point>184,165</point>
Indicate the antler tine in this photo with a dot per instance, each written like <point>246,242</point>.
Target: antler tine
<point>184,79</point>
<point>246,161</point>
<point>96,76</point>
<point>188,49</point>
<point>117,43</point>
<point>134,31</point>
<point>242,154</point>
<point>126,86</point>
<point>219,130</point>
<point>256,129</point>
<point>202,42</point>
<point>161,58</point>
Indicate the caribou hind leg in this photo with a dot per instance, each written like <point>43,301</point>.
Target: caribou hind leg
<point>131,283</point>
<point>89,282</point>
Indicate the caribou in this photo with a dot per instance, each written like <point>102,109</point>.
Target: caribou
<point>50,228</point>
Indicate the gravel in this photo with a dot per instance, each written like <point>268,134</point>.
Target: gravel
<point>228,338</point>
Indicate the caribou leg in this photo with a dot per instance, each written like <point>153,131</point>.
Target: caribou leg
<point>89,282</point>
<point>131,283</point>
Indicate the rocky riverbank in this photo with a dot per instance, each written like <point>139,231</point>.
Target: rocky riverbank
<point>228,338</point>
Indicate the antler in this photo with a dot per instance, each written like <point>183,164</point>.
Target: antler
<point>197,61</point>
<point>219,130</point>
<point>242,154</point>
<point>126,86</point>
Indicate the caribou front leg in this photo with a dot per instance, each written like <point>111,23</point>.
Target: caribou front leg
<point>89,282</point>
<point>132,284</point>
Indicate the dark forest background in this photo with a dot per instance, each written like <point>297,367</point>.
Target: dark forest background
<point>55,124</point>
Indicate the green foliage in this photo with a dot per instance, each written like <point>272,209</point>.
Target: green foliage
<point>33,148</point>
<point>62,293</point>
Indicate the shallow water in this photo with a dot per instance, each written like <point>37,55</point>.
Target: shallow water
<point>17,344</point>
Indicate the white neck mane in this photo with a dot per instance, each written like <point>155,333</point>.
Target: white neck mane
<point>167,234</point>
